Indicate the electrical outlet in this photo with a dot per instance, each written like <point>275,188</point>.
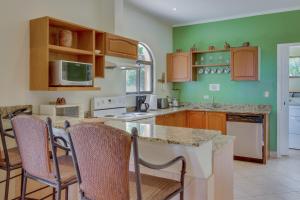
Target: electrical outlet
<point>214,87</point>
<point>266,94</point>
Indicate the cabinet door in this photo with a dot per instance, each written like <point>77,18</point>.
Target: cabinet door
<point>120,46</point>
<point>244,63</point>
<point>180,119</point>
<point>178,67</point>
<point>196,119</point>
<point>216,121</point>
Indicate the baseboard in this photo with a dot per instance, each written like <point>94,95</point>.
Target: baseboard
<point>273,154</point>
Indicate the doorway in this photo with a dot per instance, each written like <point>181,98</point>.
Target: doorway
<point>287,87</point>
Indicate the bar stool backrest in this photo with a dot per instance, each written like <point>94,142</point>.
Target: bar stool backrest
<point>103,155</point>
<point>32,139</point>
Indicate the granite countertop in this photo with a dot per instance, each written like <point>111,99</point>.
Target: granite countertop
<point>242,109</point>
<point>58,121</point>
<point>174,135</point>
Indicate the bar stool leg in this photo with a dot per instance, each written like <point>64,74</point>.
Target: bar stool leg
<point>7,184</point>
<point>24,187</point>
<point>67,193</point>
<point>58,193</point>
<point>53,194</point>
<point>22,180</point>
<point>181,195</point>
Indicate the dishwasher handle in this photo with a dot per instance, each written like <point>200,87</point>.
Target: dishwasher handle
<point>245,118</point>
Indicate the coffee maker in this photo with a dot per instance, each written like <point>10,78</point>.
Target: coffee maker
<point>141,106</point>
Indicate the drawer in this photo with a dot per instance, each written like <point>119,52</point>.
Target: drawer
<point>294,111</point>
<point>294,124</point>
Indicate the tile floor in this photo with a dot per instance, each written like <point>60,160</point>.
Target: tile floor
<point>278,180</point>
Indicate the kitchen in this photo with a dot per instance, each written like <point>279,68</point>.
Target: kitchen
<point>206,88</point>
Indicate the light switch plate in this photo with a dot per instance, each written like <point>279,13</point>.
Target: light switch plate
<point>205,97</point>
<point>214,87</point>
<point>266,94</point>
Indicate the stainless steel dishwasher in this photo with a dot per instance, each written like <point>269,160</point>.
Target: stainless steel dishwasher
<point>248,130</point>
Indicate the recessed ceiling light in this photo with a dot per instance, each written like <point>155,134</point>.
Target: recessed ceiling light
<point>174,9</point>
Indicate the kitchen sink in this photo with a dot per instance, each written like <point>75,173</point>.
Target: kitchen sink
<point>208,106</point>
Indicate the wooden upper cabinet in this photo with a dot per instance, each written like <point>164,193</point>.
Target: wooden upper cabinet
<point>196,119</point>
<point>244,62</point>
<point>178,67</point>
<point>216,121</point>
<point>120,46</point>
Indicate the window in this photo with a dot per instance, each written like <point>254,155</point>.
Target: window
<point>294,66</point>
<point>140,80</point>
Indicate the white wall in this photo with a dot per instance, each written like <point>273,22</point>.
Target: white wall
<point>155,33</point>
<point>99,14</point>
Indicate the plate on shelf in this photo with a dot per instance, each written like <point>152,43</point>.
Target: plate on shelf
<point>213,70</point>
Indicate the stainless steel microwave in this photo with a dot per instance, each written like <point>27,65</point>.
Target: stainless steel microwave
<point>69,73</point>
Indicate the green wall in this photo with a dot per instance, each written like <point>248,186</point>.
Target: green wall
<point>265,31</point>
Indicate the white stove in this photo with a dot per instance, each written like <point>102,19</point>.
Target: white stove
<point>115,108</point>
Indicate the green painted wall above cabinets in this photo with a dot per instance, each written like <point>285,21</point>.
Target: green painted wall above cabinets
<point>264,31</point>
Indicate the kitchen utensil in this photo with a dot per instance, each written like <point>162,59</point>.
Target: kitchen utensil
<point>201,71</point>
<point>207,71</point>
<point>162,103</point>
<point>220,70</point>
<point>227,70</point>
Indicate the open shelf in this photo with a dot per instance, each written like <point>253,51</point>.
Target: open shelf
<point>212,65</point>
<point>68,50</point>
<point>210,51</point>
<point>73,88</point>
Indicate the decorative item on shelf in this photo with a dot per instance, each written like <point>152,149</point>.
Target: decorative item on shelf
<point>178,50</point>
<point>55,38</point>
<point>246,44</point>
<point>65,38</point>
<point>163,78</point>
<point>211,48</point>
<point>193,48</point>
<point>226,46</point>
<point>97,51</point>
<point>61,101</point>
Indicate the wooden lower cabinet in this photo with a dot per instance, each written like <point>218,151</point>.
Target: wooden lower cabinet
<point>216,121</point>
<point>196,119</point>
<point>177,119</point>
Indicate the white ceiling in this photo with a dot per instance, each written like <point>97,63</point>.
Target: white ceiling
<point>198,11</point>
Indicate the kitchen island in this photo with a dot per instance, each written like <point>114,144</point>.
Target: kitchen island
<point>209,156</point>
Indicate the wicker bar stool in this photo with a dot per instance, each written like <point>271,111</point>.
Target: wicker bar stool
<point>32,138</point>
<point>10,160</point>
<point>101,156</point>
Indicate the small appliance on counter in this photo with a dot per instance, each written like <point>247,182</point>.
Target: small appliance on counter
<point>162,103</point>
<point>62,110</point>
<point>152,102</point>
<point>141,105</point>
<point>70,73</point>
